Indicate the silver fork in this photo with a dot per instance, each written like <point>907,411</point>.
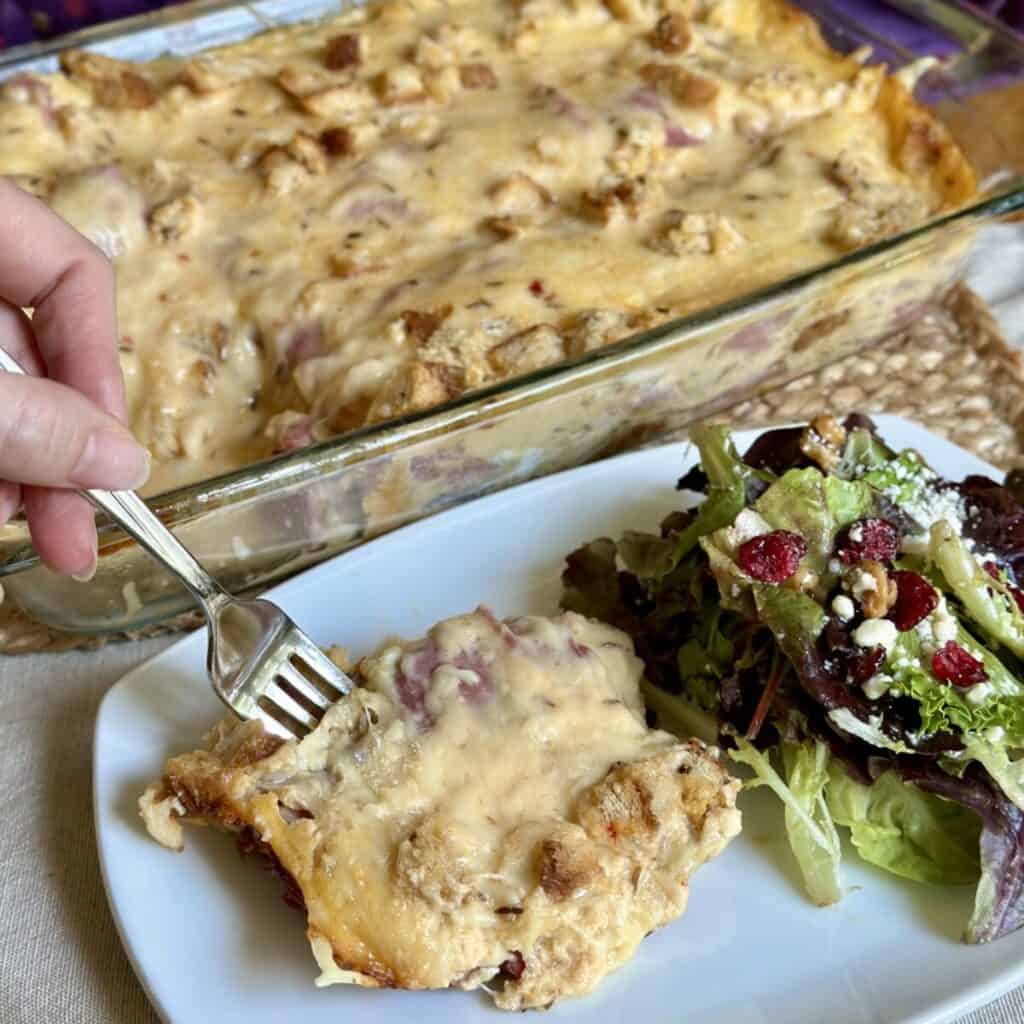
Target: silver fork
<point>260,663</point>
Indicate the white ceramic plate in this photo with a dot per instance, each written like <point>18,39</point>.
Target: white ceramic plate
<point>211,939</point>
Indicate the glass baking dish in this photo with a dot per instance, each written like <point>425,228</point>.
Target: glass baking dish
<point>266,521</point>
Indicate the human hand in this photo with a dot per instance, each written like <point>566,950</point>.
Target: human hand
<point>62,427</point>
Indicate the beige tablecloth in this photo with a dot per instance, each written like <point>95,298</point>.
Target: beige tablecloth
<point>60,957</point>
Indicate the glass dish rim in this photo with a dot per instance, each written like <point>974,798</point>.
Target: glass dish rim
<point>260,478</point>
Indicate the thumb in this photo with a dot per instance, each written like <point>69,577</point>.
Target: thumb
<point>53,436</point>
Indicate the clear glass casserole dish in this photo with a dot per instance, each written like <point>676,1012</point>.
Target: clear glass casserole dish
<point>254,526</point>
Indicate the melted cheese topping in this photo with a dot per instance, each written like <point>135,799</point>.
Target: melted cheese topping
<point>489,803</point>
<point>333,225</point>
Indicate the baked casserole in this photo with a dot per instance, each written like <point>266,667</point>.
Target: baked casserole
<point>333,225</point>
<point>487,809</point>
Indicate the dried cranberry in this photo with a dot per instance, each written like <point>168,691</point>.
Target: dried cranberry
<point>863,667</point>
<point>992,569</point>
<point>772,557</point>
<point>916,599</point>
<point>875,539</point>
<point>952,664</point>
<point>537,288</point>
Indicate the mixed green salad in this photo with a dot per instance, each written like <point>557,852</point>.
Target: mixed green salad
<point>852,626</point>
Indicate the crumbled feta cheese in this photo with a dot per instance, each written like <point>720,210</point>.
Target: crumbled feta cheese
<point>843,607</point>
<point>877,686</point>
<point>994,733</point>
<point>944,629</point>
<point>978,694</point>
<point>856,533</point>
<point>835,566</point>
<point>746,526</point>
<point>876,633</point>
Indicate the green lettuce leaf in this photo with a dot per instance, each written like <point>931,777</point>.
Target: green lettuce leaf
<point>1007,772</point>
<point>988,602</point>
<point>897,827</point>
<point>677,715</point>
<point>944,707</point>
<point>809,828</point>
<point>905,480</point>
<point>862,453</point>
<point>817,507</point>
<point>650,557</point>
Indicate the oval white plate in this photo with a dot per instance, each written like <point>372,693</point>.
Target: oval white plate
<point>211,939</point>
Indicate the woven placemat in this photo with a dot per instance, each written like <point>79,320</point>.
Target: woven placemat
<point>952,371</point>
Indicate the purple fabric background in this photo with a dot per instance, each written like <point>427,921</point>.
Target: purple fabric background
<point>22,21</point>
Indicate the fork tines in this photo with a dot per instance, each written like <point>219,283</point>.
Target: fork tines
<point>305,684</point>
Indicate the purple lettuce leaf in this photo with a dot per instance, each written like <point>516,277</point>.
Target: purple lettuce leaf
<point>999,903</point>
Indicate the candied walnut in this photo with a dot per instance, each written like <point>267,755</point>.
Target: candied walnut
<point>113,83</point>
<point>478,76</point>
<point>822,441</point>
<point>204,77</point>
<point>688,234</point>
<point>420,327</point>
<point>685,87</point>
<point>803,580</point>
<point>344,51</point>
<point>528,350</point>
<point>671,34</point>
<point>568,865</point>
<point>615,197</point>
<point>875,589</point>
<point>415,387</point>
<point>398,85</point>
<point>520,194</point>
<point>173,220</point>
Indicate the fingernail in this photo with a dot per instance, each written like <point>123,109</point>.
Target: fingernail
<point>89,571</point>
<point>113,461</point>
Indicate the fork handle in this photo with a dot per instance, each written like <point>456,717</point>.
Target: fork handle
<point>134,516</point>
